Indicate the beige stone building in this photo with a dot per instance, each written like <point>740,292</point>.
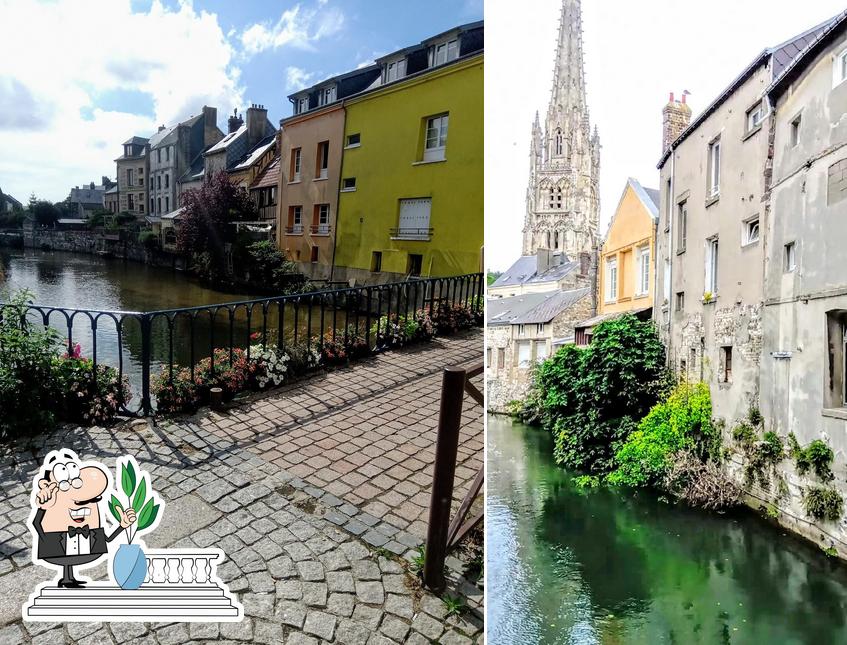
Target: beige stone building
<point>133,169</point>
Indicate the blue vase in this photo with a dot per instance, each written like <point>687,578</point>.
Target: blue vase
<point>129,566</point>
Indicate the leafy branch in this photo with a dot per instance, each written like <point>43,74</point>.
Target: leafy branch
<point>136,495</point>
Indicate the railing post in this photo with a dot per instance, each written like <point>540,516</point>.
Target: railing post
<point>446,447</point>
<point>146,327</point>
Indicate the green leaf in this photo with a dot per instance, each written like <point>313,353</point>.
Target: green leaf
<point>140,495</point>
<point>128,478</point>
<point>153,514</point>
<point>145,517</point>
<point>114,505</point>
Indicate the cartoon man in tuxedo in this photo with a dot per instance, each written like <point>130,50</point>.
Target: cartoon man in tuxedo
<point>67,521</point>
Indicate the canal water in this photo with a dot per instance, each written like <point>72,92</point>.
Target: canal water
<point>610,567</point>
<point>79,281</point>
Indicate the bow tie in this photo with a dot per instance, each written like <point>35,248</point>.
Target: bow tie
<point>78,530</point>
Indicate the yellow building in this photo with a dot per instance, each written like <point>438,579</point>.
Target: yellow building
<point>625,277</point>
<point>411,193</point>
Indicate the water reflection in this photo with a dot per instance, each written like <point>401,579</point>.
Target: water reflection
<point>90,282</point>
<point>570,566</point>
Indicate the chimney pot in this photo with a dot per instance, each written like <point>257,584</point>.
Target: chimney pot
<point>683,98</point>
<point>670,99</point>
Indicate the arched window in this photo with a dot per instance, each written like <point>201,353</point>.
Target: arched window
<point>548,239</point>
<point>558,142</point>
<point>556,239</point>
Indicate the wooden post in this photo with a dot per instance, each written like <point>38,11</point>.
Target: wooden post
<point>449,420</point>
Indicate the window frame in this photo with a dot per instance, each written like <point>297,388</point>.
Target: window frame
<point>346,186</point>
<point>759,108</point>
<point>353,144</point>
<point>794,130</point>
<point>437,152</point>
<point>839,68</point>
<point>713,187</point>
<point>296,167</point>
<point>611,285</point>
<point>749,225</point>
<point>712,260</point>
<point>322,165</point>
<point>642,275</point>
<point>682,226</point>
<point>789,257</point>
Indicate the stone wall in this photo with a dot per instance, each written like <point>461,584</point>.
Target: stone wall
<point>103,244</point>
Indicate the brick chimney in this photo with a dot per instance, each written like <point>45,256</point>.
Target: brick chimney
<point>676,116</point>
<point>235,121</point>
<point>257,117</point>
<point>211,134</point>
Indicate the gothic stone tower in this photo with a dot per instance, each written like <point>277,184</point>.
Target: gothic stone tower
<point>563,200</point>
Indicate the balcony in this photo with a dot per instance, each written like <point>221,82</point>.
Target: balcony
<point>267,212</point>
<point>320,229</point>
<point>296,229</point>
<point>407,233</point>
<point>179,584</point>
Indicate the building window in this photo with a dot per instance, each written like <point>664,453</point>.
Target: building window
<point>521,330</point>
<point>158,182</point>
<point>167,180</point>
<point>141,203</point>
<point>642,278</point>
<point>712,266</point>
<point>326,95</point>
<point>323,160</point>
<point>152,204</point>
<point>167,204</point>
<point>682,227</point>
<point>415,264</point>
<point>295,164</point>
<point>159,205</point>
<point>751,231</point>
<point>435,145</point>
<point>129,176</point>
<point>354,140</point>
<point>159,155</point>
<point>726,365</point>
<point>611,279</point>
<point>839,69</point>
<point>302,105</point>
<point>501,357</point>
<point>755,116</point>
<point>321,219</point>
<point>413,222</point>
<point>836,369</point>
<point>680,301</point>
<point>795,130</point>
<point>669,207</point>
<point>295,219</point>
<point>524,353</point>
<point>130,202</point>
<point>790,255</point>
<point>395,70</point>
<point>541,351</point>
<point>444,52</point>
<point>714,168</point>
<point>556,198</point>
<point>539,328</point>
<point>348,184</point>
<point>376,261</point>
<point>314,257</point>
<point>558,142</point>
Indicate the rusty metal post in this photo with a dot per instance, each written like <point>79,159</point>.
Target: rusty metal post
<point>446,447</point>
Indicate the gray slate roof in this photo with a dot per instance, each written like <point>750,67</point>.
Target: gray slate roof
<point>525,271</point>
<point>532,307</point>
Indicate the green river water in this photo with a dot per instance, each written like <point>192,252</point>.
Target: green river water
<point>607,566</point>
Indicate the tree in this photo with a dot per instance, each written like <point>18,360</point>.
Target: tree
<point>44,212</point>
<point>205,227</point>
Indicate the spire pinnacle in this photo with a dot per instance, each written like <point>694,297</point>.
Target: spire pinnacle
<point>569,73</point>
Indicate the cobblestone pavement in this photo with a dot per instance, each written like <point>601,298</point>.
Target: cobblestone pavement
<point>310,492</point>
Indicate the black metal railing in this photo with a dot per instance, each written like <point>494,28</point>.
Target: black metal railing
<point>406,233</point>
<point>138,343</point>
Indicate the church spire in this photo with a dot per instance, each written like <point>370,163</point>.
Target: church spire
<point>569,73</point>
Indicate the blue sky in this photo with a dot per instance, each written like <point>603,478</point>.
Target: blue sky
<point>93,87</point>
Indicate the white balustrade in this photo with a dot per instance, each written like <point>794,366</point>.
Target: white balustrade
<point>174,567</point>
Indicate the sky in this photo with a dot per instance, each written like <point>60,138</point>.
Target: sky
<point>77,79</point>
<point>636,53</point>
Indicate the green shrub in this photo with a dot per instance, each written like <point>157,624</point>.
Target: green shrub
<point>149,239</point>
<point>593,398</point>
<point>823,503</point>
<point>28,386</point>
<point>817,457</point>
<point>683,422</point>
<point>762,456</point>
<point>88,395</point>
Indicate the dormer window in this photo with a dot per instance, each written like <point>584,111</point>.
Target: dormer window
<point>444,52</point>
<point>326,95</point>
<point>127,151</point>
<point>302,105</point>
<point>395,70</point>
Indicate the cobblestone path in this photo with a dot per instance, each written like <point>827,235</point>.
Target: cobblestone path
<point>317,493</point>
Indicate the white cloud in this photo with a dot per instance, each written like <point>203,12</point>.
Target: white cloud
<point>297,78</point>
<point>60,58</point>
<point>297,27</point>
